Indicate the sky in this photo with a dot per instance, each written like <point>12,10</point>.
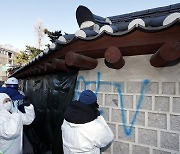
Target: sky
<point>18,17</point>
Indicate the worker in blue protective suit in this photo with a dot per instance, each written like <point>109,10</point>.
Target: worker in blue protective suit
<point>15,95</point>
<point>11,123</point>
<point>84,130</point>
<point>11,87</point>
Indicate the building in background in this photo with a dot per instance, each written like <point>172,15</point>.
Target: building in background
<point>6,62</point>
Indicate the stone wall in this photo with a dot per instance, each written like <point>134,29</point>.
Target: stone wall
<point>140,103</point>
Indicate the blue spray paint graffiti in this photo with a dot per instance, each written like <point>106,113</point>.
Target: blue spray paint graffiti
<point>86,83</point>
<point>127,130</point>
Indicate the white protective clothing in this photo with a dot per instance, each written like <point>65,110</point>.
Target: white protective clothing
<point>11,127</point>
<point>86,138</point>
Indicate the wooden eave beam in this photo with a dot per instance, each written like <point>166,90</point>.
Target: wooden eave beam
<point>48,68</point>
<point>167,53</point>
<point>29,72</point>
<point>24,74</point>
<point>35,70</point>
<point>59,64</point>
<point>129,44</point>
<point>135,43</point>
<point>41,69</point>
<point>80,61</point>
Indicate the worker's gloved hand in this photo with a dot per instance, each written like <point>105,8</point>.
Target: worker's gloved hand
<point>22,104</point>
<point>26,101</point>
<point>15,106</point>
<point>21,107</point>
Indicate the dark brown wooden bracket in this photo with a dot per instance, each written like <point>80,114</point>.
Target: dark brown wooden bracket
<point>166,54</point>
<point>113,58</point>
<point>80,61</point>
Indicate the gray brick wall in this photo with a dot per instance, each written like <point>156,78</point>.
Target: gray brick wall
<point>168,88</point>
<point>175,122</point>
<point>153,88</point>
<point>120,147</point>
<point>157,120</point>
<point>162,103</point>
<point>122,87</point>
<point>147,102</point>
<point>104,112</point>
<point>104,87</point>
<point>111,100</point>
<point>125,137</point>
<point>169,140</point>
<point>147,137</point>
<point>160,152</point>
<point>117,116</point>
<point>133,87</point>
<point>129,101</point>
<point>140,150</point>
<point>156,127</point>
<point>140,119</point>
<point>176,104</point>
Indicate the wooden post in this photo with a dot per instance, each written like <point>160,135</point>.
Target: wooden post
<point>113,58</point>
<point>59,64</point>
<point>167,53</point>
<point>82,62</point>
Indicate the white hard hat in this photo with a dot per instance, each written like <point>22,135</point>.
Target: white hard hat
<point>12,82</point>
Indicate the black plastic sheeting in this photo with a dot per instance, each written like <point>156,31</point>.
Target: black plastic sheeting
<point>49,94</point>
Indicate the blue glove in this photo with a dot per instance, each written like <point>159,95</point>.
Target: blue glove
<point>15,106</point>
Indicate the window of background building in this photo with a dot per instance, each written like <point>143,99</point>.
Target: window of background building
<point>9,55</point>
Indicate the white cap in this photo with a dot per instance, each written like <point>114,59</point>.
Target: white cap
<point>12,80</point>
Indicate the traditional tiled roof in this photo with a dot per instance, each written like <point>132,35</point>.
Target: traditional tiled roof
<point>153,19</point>
<point>93,27</point>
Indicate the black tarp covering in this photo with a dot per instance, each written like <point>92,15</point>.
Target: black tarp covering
<point>49,95</point>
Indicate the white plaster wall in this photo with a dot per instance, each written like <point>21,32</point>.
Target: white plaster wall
<point>135,68</point>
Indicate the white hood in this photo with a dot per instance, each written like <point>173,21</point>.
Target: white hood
<point>2,97</point>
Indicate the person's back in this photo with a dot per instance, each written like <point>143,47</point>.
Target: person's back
<point>83,129</point>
